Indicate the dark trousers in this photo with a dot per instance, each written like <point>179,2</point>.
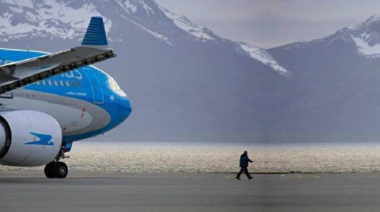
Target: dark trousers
<point>245,170</point>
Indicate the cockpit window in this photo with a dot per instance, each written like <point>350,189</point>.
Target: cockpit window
<point>115,87</point>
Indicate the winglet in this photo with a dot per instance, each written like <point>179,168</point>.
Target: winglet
<point>95,34</point>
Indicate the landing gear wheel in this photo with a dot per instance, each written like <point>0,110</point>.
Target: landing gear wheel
<point>50,170</point>
<point>61,170</point>
<point>56,170</point>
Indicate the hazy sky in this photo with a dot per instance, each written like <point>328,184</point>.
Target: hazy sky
<point>269,23</point>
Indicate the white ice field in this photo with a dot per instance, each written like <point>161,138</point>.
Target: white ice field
<point>139,157</point>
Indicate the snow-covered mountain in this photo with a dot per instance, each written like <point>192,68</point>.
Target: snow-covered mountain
<point>67,20</point>
<point>48,19</point>
<point>363,37</point>
<point>185,82</point>
<point>335,82</point>
<point>263,56</point>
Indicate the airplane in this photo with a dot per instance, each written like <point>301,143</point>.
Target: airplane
<point>50,100</point>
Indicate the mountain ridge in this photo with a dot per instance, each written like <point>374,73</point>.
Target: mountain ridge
<point>57,20</point>
<point>188,84</point>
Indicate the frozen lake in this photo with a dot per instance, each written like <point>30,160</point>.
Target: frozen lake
<point>136,157</point>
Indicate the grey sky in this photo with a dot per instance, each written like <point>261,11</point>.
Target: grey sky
<point>269,23</point>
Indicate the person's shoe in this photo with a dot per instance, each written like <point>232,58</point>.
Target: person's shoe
<point>250,178</point>
<point>238,178</point>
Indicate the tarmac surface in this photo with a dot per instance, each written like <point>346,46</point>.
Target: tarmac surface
<point>100,191</point>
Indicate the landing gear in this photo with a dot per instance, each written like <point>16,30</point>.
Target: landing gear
<point>62,170</point>
<point>57,169</point>
<point>50,170</point>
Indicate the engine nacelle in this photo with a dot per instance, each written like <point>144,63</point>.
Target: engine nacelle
<point>28,138</point>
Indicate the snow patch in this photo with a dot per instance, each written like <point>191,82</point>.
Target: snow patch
<point>19,4</point>
<point>364,48</point>
<point>15,8</point>
<point>147,8</point>
<point>263,56</point>
<point>54,12</point>
<point>130,6</point>
<point>154,34</point>
<point>183,23</point>
<point>25,4</point>
<point>127,6</point>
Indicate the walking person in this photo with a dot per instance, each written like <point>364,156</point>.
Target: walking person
<point>244,159</point>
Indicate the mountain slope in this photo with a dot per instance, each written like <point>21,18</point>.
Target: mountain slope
<point>185,82</point>
<point>188,84</point>
<point>336,81</point>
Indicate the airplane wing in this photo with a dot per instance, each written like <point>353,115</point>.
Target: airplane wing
<point>94,49</point>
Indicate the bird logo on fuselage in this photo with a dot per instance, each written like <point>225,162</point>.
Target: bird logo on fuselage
<point>44,139</point>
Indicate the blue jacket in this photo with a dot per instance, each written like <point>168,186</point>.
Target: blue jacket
<point>244,159</point>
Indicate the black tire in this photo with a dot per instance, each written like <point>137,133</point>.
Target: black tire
<point>50,171</point>
<point>61,170</point>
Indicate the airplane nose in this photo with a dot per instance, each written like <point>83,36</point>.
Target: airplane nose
<point>124,108</point>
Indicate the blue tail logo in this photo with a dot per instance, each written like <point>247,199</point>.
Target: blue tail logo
<point>96,33</point>
<point>45,140</point>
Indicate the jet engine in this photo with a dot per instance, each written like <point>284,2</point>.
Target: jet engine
<point>28,138</point>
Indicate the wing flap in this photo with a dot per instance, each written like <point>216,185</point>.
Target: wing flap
<point>74,58</point>
<point>21,73</point>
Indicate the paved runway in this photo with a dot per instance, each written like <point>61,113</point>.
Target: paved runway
<point>96,191</point>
